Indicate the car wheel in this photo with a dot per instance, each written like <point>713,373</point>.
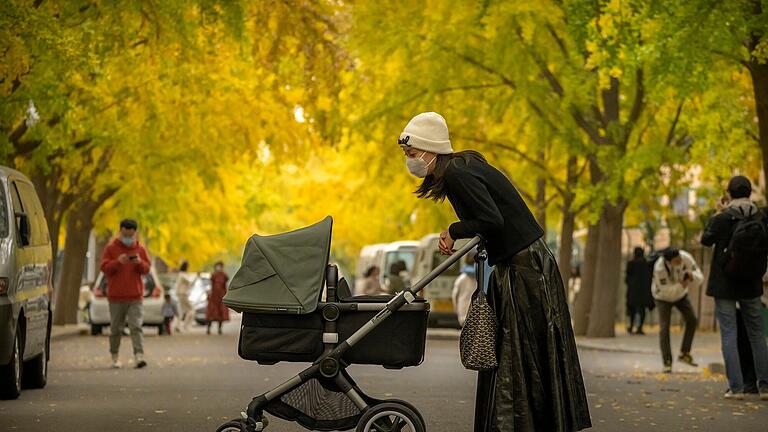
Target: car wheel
<point>95,330</point>
<point>36,370</point>
<point>10,374</point>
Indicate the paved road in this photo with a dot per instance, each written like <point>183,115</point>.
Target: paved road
<point>194,382</point>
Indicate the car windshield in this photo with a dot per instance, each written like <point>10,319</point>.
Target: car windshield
<point>407,256</point>
<point>149,285</point>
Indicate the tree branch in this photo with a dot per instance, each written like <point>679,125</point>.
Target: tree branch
<point>26,147</point>
<point>554,83</point>
<point>480,65</point>
<point>671,133</point>
<point>560,42</point>
<point>522,155</point>
<point>528,197</point>
<point>558,89</point>
<point>639,104</point>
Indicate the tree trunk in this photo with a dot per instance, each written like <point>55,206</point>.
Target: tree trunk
<point>607,273</point>
<point>541,203</point>
<point>79,225</point>
<point>581,309</point>
<point>565,252</point>
<point>760,84</point>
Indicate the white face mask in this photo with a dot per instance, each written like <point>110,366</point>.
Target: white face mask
<point>418,166</point>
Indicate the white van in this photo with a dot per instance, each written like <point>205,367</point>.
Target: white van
<point>383,255</point>
<point>438,292</point>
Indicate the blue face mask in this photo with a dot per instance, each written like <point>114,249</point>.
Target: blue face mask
<point>468,268</point>
<point>128,241</point>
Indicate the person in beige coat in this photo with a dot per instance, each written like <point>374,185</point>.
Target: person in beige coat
<point>674,273</point>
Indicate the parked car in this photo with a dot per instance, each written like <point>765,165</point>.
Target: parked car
<point>25,286</point>
<point>98,309</point>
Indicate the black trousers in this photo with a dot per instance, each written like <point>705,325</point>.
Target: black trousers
<point>635,314</point>
<point>665,312</point>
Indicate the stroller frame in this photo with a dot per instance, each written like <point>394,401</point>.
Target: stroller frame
<point>330,364</point>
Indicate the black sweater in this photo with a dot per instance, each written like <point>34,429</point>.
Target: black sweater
<point>488,204</point>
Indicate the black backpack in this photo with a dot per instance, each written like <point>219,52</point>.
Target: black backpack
<point>746,256</point>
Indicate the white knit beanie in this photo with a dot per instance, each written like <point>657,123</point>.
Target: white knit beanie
<point>428,132</point>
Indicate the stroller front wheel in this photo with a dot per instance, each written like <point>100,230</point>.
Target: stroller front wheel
<point>390,417</point>
<point>240,425</point>
<point>233,426</point>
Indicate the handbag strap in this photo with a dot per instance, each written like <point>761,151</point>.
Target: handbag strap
<point>480,258</point>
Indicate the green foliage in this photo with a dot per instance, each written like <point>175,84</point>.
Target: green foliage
<point>209,120</point>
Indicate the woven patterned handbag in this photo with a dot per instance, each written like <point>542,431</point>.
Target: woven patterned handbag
<point>477,344</point>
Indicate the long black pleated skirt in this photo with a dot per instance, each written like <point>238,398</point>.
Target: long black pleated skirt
<point>538,385</point>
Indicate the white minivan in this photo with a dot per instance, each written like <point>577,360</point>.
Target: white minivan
<point>25,286</point>
<point>438,292</point>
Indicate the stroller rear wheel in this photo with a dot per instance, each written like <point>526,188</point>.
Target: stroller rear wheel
<point>390,417</point>
<point>412,408</point>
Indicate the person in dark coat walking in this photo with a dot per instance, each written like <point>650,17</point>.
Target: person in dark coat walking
<point>215,310</point>
<point>538,385</point>
<point>639,298</point>
<point>731,291</point>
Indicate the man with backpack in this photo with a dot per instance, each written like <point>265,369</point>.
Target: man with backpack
<point>739,235</point>
<point>674,273</point>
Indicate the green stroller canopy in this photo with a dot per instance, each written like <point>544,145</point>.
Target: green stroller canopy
<point>282,273</point>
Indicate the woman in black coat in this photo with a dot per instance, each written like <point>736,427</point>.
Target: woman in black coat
<point>639,297</point>
<point>538,384</point>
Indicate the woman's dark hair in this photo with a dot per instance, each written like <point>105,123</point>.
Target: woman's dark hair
<point>433,186</point>
<point>370,271</point>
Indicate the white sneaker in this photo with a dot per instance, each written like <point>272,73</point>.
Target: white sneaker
<point>115,362</point>
<point>733,396</point>
<point>764,394</point>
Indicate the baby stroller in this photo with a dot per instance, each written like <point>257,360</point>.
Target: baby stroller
<point>288,316</point>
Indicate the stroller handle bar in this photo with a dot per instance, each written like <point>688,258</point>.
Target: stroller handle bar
<point>407,296</point>
<point>423,282</point>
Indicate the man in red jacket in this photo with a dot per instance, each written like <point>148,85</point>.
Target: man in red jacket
<point>124,263</point>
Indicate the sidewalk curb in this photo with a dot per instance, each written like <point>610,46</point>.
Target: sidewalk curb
<point>591,346</point>
<point>67,331</point>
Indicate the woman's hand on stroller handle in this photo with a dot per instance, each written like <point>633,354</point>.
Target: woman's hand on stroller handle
<point>446,243</point>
